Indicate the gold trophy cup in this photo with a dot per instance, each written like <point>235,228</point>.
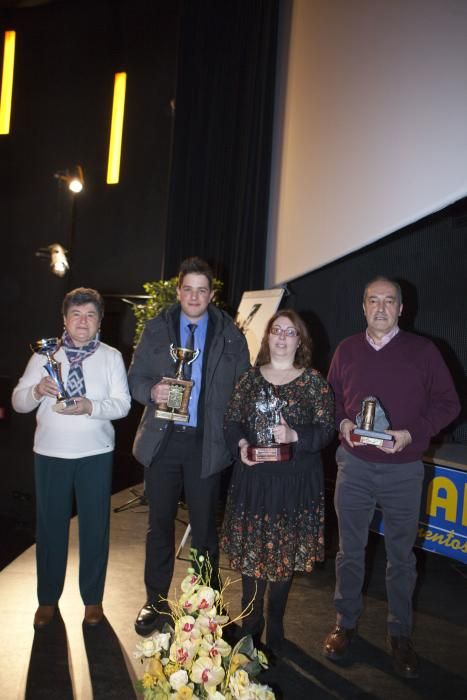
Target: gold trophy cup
<point>176,406</point>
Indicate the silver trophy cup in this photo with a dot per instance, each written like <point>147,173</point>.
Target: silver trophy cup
<point>268,414</point>
<point>48,347</point>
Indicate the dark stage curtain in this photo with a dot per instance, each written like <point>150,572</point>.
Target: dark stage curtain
<point>220,170</point>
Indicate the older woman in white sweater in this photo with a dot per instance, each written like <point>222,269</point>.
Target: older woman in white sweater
<point>73,452</point>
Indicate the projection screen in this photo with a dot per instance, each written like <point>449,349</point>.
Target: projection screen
<point>370,125</point>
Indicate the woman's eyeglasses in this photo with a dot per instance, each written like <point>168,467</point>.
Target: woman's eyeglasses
<point>289,332</point>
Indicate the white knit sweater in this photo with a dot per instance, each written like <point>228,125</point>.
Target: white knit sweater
<point>70,437</point>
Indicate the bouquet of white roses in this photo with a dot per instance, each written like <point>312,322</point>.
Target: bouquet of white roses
<point>190,660</point>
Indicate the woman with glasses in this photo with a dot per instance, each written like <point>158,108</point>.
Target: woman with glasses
<point>274,518</point>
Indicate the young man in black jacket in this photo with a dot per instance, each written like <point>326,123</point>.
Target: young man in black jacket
<point>189,455</point>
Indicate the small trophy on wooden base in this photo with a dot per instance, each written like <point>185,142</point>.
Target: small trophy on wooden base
<point>371,422</point>
<point>268,414</point>
<point>176,406</point>
<point>48,347</point>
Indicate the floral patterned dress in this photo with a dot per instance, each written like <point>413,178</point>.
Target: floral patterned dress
<point>274,517</point>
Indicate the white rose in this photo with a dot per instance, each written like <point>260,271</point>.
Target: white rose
<point>178,679</point>
<point>145,647</point>
<point>162,641</point>
<point>260,692</point>
<point>239,684</point>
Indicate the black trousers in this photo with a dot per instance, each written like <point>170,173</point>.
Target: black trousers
<point>178,467</point>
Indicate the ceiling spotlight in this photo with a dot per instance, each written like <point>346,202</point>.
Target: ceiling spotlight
<point>58,261</point>
<point>74,178</point>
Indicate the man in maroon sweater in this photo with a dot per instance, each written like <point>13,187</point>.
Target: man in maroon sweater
<point>407,374</point>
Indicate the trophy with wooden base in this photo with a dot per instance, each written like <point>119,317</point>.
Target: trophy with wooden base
<point>48,347</point>
<point>371,422</point>
<point>176,406</point>
<point>268,414</point>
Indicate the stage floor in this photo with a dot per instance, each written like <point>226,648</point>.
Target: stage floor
<point>66,660</point>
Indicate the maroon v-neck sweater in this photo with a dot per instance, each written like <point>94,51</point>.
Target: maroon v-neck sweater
<point>408,376</point>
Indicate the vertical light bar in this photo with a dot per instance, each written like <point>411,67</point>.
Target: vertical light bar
<point>116,129</point>
<point>7,81</point>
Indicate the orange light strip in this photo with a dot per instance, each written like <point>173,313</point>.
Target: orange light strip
<point>7,81</point>
<point>116,129</point>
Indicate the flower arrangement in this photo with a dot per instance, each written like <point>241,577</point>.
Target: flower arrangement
<point>190,660</point>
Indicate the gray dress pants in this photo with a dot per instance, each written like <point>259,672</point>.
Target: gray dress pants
<point>397,488</point>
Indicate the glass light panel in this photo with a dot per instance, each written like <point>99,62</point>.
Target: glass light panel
<point>7,81</point>
<point>116,129</point>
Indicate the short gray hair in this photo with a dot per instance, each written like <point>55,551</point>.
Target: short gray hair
<point>83,295</point>
<point>382,278</point>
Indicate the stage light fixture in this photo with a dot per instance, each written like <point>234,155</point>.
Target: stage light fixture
<point>58,260</point>
<point>74,178</point>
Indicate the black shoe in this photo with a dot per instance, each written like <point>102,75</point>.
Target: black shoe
<point>152,616</point>
<point>403,656</point>
<point>254,626</point>
<point>272,655</point>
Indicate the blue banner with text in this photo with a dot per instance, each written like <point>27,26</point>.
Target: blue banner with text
<point>443,513</point>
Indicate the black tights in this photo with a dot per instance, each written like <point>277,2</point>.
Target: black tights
<point>278,592</point>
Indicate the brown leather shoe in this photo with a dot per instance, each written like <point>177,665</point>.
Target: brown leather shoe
<point>337,643</point>
<point>44,615</point>
<point>93,614</point>
<point>404,657</point>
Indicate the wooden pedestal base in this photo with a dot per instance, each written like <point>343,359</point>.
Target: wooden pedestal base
<point>369,437</point>
<point>269,453</point>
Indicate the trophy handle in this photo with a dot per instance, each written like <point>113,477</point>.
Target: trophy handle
<point>174,357</point>
<point>58,346</point>
<point>195,355</point>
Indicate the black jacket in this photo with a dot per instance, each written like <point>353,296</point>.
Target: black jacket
<point>227,357</point>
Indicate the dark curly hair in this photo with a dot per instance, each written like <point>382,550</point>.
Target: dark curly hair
<point>303,353</point>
